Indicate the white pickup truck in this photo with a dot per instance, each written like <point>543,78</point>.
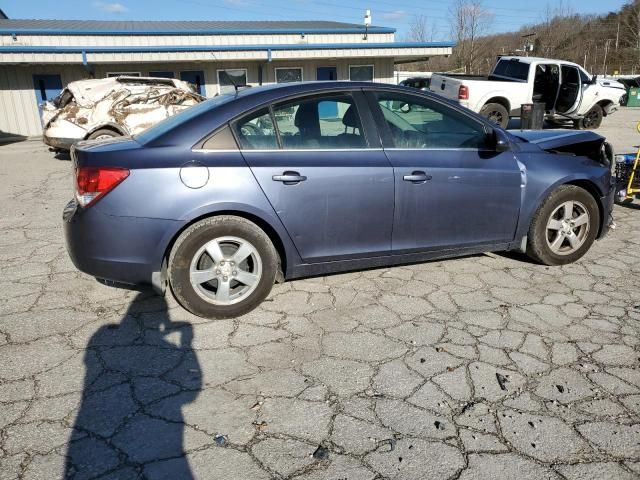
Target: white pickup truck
<point>569,93</point>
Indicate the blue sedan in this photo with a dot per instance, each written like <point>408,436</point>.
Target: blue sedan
<point>281,182</point>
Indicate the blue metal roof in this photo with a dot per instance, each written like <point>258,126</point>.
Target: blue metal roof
<point>102,27</point>
<point>218,48</point>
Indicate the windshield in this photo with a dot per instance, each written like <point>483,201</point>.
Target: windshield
<point>512,69</point>
<point>168,124</point>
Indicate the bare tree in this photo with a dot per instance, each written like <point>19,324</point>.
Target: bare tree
<point>469,21</point>
<point>418,30</point>
<point>630,31</point>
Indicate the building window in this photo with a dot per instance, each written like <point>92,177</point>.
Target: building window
<point>286,75</point>
<point>123,74</point>
<point>361,73</point>
<point>162,74</point>
<point>230,78</point>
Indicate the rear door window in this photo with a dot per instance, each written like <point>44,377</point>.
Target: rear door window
<point>324,122</point>
<point>256,131</point>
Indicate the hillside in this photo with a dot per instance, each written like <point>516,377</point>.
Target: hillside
<point>602,44</point>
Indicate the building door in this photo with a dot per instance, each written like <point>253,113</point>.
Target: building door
<point>195,77</point>
<point>327,74</point>
<point>47,88</point>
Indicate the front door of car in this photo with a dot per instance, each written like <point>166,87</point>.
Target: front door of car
<point>570,94</point>
<point>451,189</point>
<point>329,182</point>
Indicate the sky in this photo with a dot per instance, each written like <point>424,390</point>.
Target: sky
<point>389,13</point>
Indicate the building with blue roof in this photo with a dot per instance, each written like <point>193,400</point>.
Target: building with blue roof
<point>39,57</point>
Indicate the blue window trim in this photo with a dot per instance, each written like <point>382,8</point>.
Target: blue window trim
<point>213,31</point>
<point>219,48</point>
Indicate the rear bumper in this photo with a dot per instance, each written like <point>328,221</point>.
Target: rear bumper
<point>116,250</point>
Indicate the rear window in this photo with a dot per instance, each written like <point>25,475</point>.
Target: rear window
<point>168,124</point>
<point>512,69</point>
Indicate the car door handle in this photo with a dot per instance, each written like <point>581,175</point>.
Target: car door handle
<point>417,177</point>
<point>289,178</point>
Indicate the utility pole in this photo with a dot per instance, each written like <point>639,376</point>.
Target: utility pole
<point>528,46</point>
<point>606,50</point>
<point>618,34</point>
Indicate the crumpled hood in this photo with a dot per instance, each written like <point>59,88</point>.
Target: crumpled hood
<point>553,139</point>
<point>579,143</point>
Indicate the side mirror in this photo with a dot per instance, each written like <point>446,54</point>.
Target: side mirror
<point>498,141</point>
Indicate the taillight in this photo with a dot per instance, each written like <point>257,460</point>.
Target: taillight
<point>463,92</point>
<point>95,182</point>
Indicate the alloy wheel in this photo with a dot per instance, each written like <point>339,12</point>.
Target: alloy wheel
<point>567,228</point>
<point>225,270</point>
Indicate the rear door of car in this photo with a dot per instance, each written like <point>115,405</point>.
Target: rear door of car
<point>452,190</point>
<point>326,176</point>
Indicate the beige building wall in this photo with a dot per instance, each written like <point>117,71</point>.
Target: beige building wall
<point>19,109</point>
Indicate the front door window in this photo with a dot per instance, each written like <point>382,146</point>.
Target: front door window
<point>418,124</point>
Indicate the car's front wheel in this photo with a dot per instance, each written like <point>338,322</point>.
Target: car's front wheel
<point>592,119</point>
<point>222,267</point>
<point>564,227</point>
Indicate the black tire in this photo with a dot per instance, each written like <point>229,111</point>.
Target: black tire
<point>194,238</point>
<point>537,245</point>
<point>103,132</point>
<point>496,113</point>
<point>592,119</point>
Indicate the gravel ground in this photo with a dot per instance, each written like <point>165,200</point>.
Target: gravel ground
<point>487,366</point>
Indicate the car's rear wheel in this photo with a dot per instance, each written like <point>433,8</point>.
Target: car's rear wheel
<point>496,113</point>
<point>564,227</point>
<point>222,267</point>
<point>103,134</point>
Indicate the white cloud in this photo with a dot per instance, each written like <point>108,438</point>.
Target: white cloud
<point>394,15</point>
<point>111,7</point>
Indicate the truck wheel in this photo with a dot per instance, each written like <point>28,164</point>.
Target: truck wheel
<point>222,267</point>
<point>592,119</point>
<point>496,113</point>
<point>103,134</point>
<point>564,227</point>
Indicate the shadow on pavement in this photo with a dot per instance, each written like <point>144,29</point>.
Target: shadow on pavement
<point>144,362</point>
<point>62,155</point>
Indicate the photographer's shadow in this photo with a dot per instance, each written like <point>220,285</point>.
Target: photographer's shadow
<point>132,368</point>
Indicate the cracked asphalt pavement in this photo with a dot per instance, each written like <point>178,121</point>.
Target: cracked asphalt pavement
<point>487,366</point>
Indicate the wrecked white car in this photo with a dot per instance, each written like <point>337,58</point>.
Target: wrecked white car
<point>112,107</point>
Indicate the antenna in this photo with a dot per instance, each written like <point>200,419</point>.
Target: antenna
<point>367,23</point>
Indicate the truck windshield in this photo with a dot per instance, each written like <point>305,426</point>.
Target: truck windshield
<point>512,69</point>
